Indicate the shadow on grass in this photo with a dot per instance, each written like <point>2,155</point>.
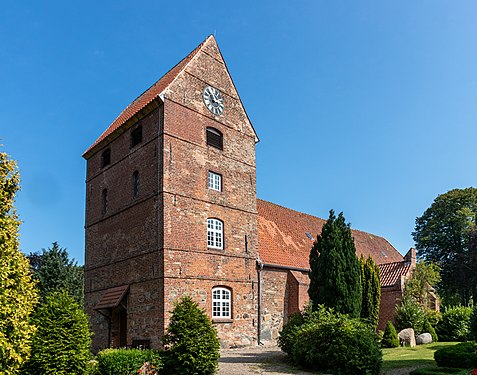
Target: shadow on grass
<point>402,363</point>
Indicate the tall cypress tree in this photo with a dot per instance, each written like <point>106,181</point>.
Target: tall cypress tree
<point>334,268</point>
<point>370,291</point>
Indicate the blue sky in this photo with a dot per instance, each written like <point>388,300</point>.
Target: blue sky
<point>366,107</point>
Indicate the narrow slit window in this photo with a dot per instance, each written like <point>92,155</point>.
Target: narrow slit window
<point>105,200</point>
<point>135,184</point>
<point>136,136</point>
<point>105,158</point>
<point>214,181</point>
<point>215,138</point>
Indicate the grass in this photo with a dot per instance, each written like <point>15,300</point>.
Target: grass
<point>419,356</point>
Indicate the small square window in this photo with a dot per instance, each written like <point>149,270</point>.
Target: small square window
<point>214,181</point>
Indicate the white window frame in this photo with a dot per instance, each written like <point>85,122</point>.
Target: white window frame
<point>221,303</point>
<point>214,181</point>
<point>215,233</point>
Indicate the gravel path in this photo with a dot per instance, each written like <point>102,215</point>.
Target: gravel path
<point>267,361</point>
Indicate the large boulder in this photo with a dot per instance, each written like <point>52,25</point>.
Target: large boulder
<point>406,337</point>
<point>424,338</point>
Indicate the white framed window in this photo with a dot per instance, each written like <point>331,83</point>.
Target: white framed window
<point>221,302</point>
<point>215,231</point>
<point>214,181</point>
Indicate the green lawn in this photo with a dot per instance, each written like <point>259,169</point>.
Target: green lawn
<point>419,356</point>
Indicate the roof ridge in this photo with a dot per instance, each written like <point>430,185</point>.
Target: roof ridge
<point>290,209</point>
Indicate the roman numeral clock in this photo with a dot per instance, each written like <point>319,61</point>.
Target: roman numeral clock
<point>213,100</point>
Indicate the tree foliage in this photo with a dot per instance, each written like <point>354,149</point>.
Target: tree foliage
<point>334,268</point>
<point>17,290</point>
<point>61,344</point>
<point>425,276</point>
<point>370,291</point>
<point>54,271</point>
<point>191,342</point>
<point>446,234</point>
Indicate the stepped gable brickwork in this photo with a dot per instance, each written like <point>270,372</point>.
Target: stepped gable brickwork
<point>283,239</point>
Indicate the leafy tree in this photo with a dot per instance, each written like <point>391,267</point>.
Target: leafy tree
<point>62,341</point>
<point>191,342</point>
<point>410,314</point>
<point>334,269</point>
<point>424,277</point>
<point>390,337</point>
<point>54,271</point>
<point>370,291</point>
<point>17,290</point>
<point>446,234</point>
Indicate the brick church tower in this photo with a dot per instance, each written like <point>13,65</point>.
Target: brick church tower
<point>171,209</point>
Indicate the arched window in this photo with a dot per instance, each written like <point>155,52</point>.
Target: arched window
<point>135,184</point>
<point>215,234</point>
<point>221,302</point>
<point>105,200</point>
<point>105,158</point>
<point>215,138</point>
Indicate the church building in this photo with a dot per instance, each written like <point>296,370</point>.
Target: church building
<point>171,210</point>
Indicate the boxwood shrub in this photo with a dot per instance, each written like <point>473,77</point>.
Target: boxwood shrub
<point>127,361</point>
<point>331,342</point>
<point>463,355</point>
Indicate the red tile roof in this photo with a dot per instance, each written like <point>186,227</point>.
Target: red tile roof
<point>112,297</point>
<point>390,273</point>
<point>283,239</point>
<point>147,97</point>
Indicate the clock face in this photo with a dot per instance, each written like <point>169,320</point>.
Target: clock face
<point>213,100</point>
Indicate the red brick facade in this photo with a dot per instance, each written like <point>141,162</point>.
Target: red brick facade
<point>147,210</point>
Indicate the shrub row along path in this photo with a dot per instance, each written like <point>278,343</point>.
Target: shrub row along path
<point>266,361</point>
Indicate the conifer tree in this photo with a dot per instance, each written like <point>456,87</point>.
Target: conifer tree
<point>191,341</point>
<point>55,271</point>
<point>61,344</point>
<point>370,291</point>
<point>17,290</point>
<point>390,337</point>
<point>334,268</point>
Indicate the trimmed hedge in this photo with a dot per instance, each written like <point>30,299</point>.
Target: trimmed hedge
<point>127,361</point>
<point>463,355</point>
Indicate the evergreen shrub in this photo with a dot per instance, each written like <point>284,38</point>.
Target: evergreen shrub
<point>430,329</point>
<point>287,335</point>
<point>61,344</point>
<point>455,324</point>
<point>191,342</point>
<point>330,342</point>
<point>409,314</point>
<point>463,355</point>
<point>127,361</point>
<point>390,337</point>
